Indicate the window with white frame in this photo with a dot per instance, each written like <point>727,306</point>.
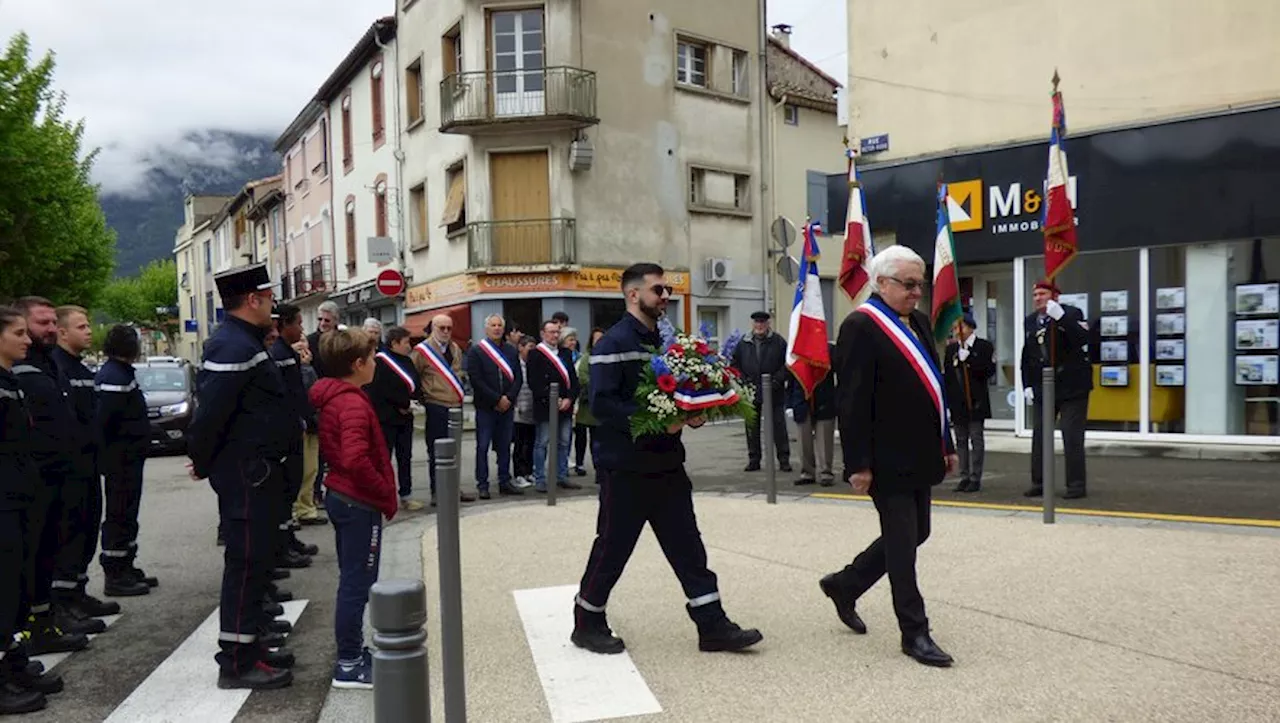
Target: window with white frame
<point>710,320</point>
<point>741,73</point>
<point>691,63</point>
<point>791,114</point>
<point>711,189</point>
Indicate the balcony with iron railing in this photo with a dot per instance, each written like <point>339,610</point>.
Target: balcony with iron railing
<point>532,243</point>
<point>314,277</point>
<point>286,286</point>
<point>497,101</point>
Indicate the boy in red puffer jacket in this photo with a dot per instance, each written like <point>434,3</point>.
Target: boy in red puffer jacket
<point>362,489</point>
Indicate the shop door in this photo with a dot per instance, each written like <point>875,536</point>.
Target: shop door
<point>520,233</point>
<point>993,297</point>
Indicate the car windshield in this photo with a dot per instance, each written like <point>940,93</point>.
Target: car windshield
<point>158,379</point>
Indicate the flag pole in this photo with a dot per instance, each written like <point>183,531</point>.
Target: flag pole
<point>1053,324</point>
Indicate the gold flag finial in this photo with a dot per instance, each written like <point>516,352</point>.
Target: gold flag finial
<point>1056,80</point>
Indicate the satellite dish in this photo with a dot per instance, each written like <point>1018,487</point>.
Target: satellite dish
<point>783,232</point>
<point>788,269</point>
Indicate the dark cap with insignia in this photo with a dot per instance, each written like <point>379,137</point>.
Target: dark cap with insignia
<point>243,280</point>
<point>760,316</point>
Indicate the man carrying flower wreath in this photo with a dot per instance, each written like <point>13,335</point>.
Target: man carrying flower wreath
<point>644,480</point>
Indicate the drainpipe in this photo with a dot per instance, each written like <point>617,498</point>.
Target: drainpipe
<point>766,162</point>
<point>398,155</point>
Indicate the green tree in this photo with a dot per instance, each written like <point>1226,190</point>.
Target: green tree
<point>148,299</point>
<point>54,240</point>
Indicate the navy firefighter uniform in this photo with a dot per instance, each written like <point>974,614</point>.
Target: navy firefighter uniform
<point>243,431</point>
<point>644,482</point>
<point>291,549</point>
<point>126,434</point>
<point>19,483</point>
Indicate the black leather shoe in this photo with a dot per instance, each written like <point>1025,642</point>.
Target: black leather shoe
<point>283,627</point>
<point>72,623</point>
<point>275,610</point>
<point>846,607</point>
<point>259,677</point>
<point>91,607</point>
<point>726,637</point>
<point>784,467</point>
<point>509,491</point>
<point>752,467</point>
<point>827,482</point>
<point>1034,492</point>
<point>293,560</point>
<point>962,487</point>
<point>484,495</point>
<point>597,639</point>
<point>1075,494</point>
<point>48,638</point>
<point>124,586</point>
<point>465,497</point>
<point>280,574</point>
<point>303,548</point>
<point>974,487</point>
<point>569,485</point>
<point>926,652</point>
<point>271,640</point>
<point>804,481</point>
<point>279,595</point>
<point>45,683</point>
<point>144,578</point>
<point>280,659</point>
<point>15,700</point>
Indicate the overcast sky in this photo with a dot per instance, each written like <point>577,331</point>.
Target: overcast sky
<point>144,72</point>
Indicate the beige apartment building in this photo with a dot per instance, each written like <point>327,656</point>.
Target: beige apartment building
<point>549,145</point>
<point>193,259</point>
<point>1173,144</point>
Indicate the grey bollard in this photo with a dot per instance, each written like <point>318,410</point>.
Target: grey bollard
<point>455,426</point>
<point>766,436</point>
<point>1048,420</point>
<point>553,443</point>
<point>398,612</point>
<point>449,555</point>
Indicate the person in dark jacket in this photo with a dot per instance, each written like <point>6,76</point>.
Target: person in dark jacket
<point>392,391</point>
<point>293,553</point>
<point>126,430</point>
<point>764,352</point>
<point>896,442</point>
<point>548,364</point>
<point>20,692</point>
<point>493,367</point>
<point>644,481</point>
<point>82,493</point>
<point>816,418</point>
<point>243,430</point>
<point>55,448</point>
<point>969,365</point>
<point>362,489</point>
<point>1057,336</point>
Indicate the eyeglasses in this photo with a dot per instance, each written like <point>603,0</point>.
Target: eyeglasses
<point>660,289</point>
<point>444,328</point>
<point>910,284</point>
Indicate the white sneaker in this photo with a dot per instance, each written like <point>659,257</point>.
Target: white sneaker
<point>521,483</point>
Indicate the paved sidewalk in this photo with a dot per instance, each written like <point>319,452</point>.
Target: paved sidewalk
<point>1085,620</point>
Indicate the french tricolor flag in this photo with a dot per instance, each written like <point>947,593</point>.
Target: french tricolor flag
<point>808,356</point>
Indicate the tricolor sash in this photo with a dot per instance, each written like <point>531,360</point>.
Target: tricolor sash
<point>551,354</point>
<point>442,367</point>
<point>495,355</point>
<point>914,351</point>
<point>399,370</point>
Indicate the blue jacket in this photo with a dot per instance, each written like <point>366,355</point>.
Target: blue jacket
<point>121,415</point>
<point>617,362</point>
<point>54,440</point>
<point>77,382</point>
<point>290,365</point>
<point>245,414</point>
<point>19,478</point>
<point>488,382</point>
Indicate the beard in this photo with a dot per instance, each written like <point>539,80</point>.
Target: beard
<point>653,312</point>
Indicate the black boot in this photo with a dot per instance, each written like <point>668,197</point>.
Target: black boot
<point>71,621</point>
<point>142,577</point>
<point>91,607</point>
<point>122,583</point>
<point>259,677</point>
<point>591,632</point>
<point>846,605</point>
<point>279,659</point>
<point>925,651</point>
<point>47,637</point>
<point>275,610</point>
<point>43,683</point>
<point>293,560</point>
<point>271,640</point>
<point>15,700</point>
<point>283,627</point>
<point>302,548</point>
<point>717,633</point>
<point>279,574</point>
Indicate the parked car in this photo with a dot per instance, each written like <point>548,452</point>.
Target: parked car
<point>170,389</point>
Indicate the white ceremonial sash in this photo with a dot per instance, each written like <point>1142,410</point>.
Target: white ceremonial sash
<point>496,356</point>
<point>399,370</point>
<point>551,354</point>
<point>442,367</point>
<point>911,348</point>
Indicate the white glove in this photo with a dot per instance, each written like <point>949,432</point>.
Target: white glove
<point>1030,394</point>
<point>964,353</point>
<point>1054,309</point>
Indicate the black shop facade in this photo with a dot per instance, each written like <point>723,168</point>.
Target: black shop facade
<point>1178,271</point>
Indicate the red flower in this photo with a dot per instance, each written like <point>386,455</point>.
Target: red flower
<point>667,383</point>
<point>734,371</point>
<point>676,350</point>
<point>702,349</point>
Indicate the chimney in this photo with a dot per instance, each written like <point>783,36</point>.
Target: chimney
<point>782,33</point>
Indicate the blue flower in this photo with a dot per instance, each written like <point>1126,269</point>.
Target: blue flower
<point>704,330</point>
<point>712,359</point>
<point>659,365</point>
<point>667,332</point>
<point>726,349</point>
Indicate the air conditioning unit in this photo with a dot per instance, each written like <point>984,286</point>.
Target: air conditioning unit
<point>719,270</point>
<point>581,155</point>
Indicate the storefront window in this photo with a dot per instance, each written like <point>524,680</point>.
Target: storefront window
<point>989,295</point>
<point>606,312</point>
<point>1105,286</point>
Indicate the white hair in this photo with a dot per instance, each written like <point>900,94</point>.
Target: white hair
<point>371,324</point>
<point>889,262</point>
<point>495,316</point>
<point>329,306</point>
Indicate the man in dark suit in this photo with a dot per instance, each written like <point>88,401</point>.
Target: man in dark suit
<point>1057,336</point>
<point>549,363</point>
<point>969,364</point>
<point>493,367</point>
<point>896,443</point>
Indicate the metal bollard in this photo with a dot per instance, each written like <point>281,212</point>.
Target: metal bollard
<point>449,554</point>
<point>1048,420</point>
<point>553,444</point>
<point>398,612</point>
<point>455,428</point>
<point>766,436</point>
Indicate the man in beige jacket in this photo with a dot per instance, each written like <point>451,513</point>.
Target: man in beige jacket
<point>439,363</point>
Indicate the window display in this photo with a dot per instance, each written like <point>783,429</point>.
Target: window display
<point>1115,301</point>
<point>1174,297</point>
<point>1254,334</point>
<point>1115,376</point>
<point>1254,369</point>
<point>1171,349</point>
<point>1175,323</point>
<point>1171,375</point>
<point>1258,299</point>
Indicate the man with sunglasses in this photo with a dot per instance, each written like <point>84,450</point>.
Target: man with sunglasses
<point>244,429</point>
<point>438,361</point>
<point>643,480</point>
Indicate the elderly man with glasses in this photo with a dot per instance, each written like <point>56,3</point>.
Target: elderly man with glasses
<point>438,361</point>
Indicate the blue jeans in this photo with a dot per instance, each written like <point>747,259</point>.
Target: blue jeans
<point>493,429</point>
<point>358,533</point>
<point>437,428</point>
<point>543,438</point>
